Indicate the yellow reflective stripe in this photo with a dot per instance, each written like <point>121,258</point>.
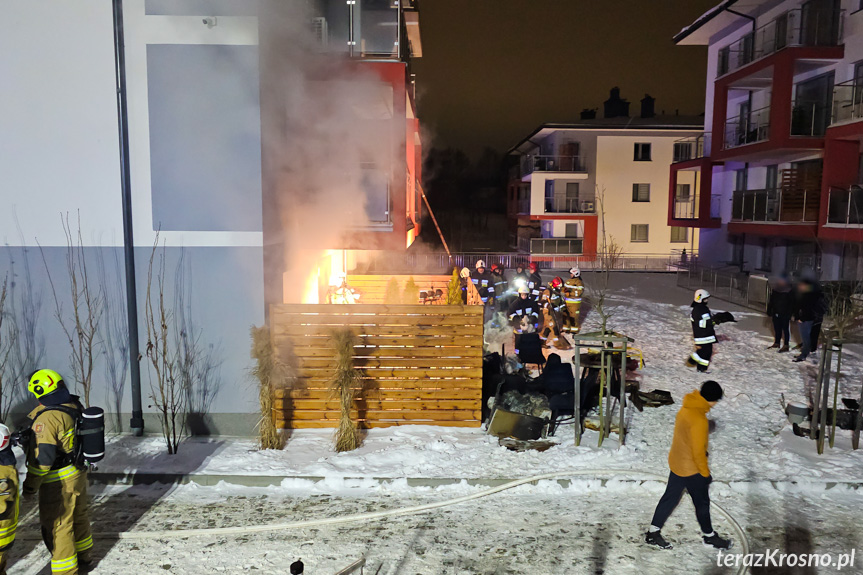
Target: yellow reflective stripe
<point>37,470</point>
<point>60,474</point>
<point>84,544</point>
<point>64,564</point>
<point>67,434</point>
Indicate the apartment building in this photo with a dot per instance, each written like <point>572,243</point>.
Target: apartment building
<point>206,129</point>
<point>777,171</point>
<point>564,170</point>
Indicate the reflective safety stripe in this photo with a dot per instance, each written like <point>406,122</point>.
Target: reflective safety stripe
<point>56,475</point>
<point>573,300</point>
<point>698,359</point>
<point>83,544</point>
<point>7,534</point>
<point>708,339</point>
<point>36,471</point>
<point>63,565</point>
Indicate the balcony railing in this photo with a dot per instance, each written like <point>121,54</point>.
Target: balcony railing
<point>809,118</point>
<point>690,148</point>
<point>685,209</point>
<point>556,245</point>
<point>540,163</point>
<point>775,206</point>
<point>845,206</point>
<point>747,129</point>
<point>569,206</point>
<point>792,28</point>
<point>847,101</point>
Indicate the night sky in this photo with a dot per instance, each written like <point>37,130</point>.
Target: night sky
<point>493,70</point>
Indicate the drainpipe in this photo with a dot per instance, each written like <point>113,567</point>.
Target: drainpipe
<point>137,422</point>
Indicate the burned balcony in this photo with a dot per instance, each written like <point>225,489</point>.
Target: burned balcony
<point>542,163</point>
<point>845,206</point>
<point>810,26</point>
<point>775,206</point>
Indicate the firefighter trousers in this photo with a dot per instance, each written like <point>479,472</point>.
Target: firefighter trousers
<point>572,317</point>
<point>64,515</point>
<point>3,558</point>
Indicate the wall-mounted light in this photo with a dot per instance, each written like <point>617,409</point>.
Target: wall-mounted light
<point>210,21</point>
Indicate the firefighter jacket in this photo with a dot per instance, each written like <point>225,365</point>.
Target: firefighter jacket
<point>552,300</point>
<point>8,497</point>
<point>521,309</point>
<point>688,454</point>
<point>702,324</point>
<point>499,283</point>
<point>573,288</point>
<point>534,284</point>
<point>52,443</point>
<point>484,284</point>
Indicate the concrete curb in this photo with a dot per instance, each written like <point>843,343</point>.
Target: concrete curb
<point>209,480</point>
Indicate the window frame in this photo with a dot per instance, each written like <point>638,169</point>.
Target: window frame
<point>685,239</point>
<point>633,236</point>
<point>636,191</point>
<point>641,147</point>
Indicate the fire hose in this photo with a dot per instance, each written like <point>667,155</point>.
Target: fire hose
<point>369,516</point>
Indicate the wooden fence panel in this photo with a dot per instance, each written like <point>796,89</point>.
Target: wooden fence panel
<point>373,287</point>
<point>419,364</point>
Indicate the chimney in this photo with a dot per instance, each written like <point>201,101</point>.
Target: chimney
<point>588,114</point>
<point>615,106</point>
<point>648,106</point>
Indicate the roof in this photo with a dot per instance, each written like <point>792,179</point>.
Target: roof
<point>728,13</point>
<point>657,123</point>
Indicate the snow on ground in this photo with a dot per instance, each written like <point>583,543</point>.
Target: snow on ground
<point>543,529</point>
<point>752,440</point>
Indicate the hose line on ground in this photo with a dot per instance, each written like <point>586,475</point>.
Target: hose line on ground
<point>245,530</point>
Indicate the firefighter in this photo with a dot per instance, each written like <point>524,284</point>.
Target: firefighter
<point>553,310</point>
<point>342,293</point>
<point>572,292</point>
<point>8,496</point>
<point>54,473</point>
<point>703,332</point>
<point>484,283</point>
<point>518,279</point>
<point>534,282</point>
<point>523,315</point>
<point>464,278</point>
<point>498,275</point>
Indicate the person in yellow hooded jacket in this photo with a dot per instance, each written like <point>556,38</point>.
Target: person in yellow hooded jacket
<point>687,460</point>
<point>8,496</point>
<point>52,473</point>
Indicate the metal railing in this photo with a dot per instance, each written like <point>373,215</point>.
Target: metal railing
<point>569,206</point>
<point>847,101</point>
<point>556,246</point>
<point>686,209</point>
<point>690,148</point>
<point>727,283</point>
<point>747,129</point>
<point>792,206</point>
<point>541,163</point>
<point>792,28</point>
<point>810,118</point>
<point>845,206</point>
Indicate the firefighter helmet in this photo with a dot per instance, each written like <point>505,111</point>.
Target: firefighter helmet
<point>497,268</point>
<point>534,266</point>
<point>5,437</point>
<point>465,273</point>
<point>523,289</point>
<point>43,382</point>
<point>576,273</point>
<point>480,264</point>
<point>701,295</point>
<point>556,282</point>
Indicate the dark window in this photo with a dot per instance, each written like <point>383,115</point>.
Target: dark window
<point>642,152</point>
<point>638,233</point>
<point>679,235</point>
<point>682,151</point>
<point>640,192</point>
<point>572,231</point>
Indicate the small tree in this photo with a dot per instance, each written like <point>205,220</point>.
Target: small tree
<point>411,295</point>
<point>345,386</point>
<point>453,290</point>
<point>81,324</point>
<point>843,321</point>
<point>392,295</point>
<point>609,255</point>
<point>8,336</point>
<point>268,372</point>
<point>115,336</point>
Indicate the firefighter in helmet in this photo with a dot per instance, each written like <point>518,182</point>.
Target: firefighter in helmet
<point>572,293</point>
<point>553,310</point>
<point>523,315</point>
<point>464,279</point>
<point>534,282</point>
<point>498,276</point>
<point>484,283</point>
<point>8,496</point>
<point>54,474</point>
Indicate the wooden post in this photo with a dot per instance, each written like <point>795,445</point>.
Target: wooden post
<point>816,398</point>
<point>825,395</point>
<point>576,360</point>
<point>602,384</point>
<point>621,433</point>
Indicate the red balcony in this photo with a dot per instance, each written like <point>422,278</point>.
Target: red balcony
<point>690,202</point>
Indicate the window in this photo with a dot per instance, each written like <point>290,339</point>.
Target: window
<point>772,177</point>
<point>642,152</point>
<point>679,235</point>
<point>638,233</point>
<point>640,192</point>
<point>572,231</point>
<point>682,151</point>
<point>741,179</point>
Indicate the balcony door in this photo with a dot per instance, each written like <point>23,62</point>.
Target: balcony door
<point>812,106</point>
<point>820,23</point>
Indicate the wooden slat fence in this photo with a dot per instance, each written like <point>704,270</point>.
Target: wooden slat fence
<point>372,288</point>
<point>420,364</point>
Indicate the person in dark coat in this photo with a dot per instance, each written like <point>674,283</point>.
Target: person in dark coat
<point>809,314</point>
<point>703,332</point>
<point>523,315</point>
<point>484,283</point>
<point>780,308</point>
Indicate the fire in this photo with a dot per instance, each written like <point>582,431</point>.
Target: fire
<point>325,268</point>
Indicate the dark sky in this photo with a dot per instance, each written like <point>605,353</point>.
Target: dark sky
<point>493,70</point>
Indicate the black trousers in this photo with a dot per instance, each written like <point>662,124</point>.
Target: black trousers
<point>701,356</point>
<point>781,329</point>
<point>697,486</point>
